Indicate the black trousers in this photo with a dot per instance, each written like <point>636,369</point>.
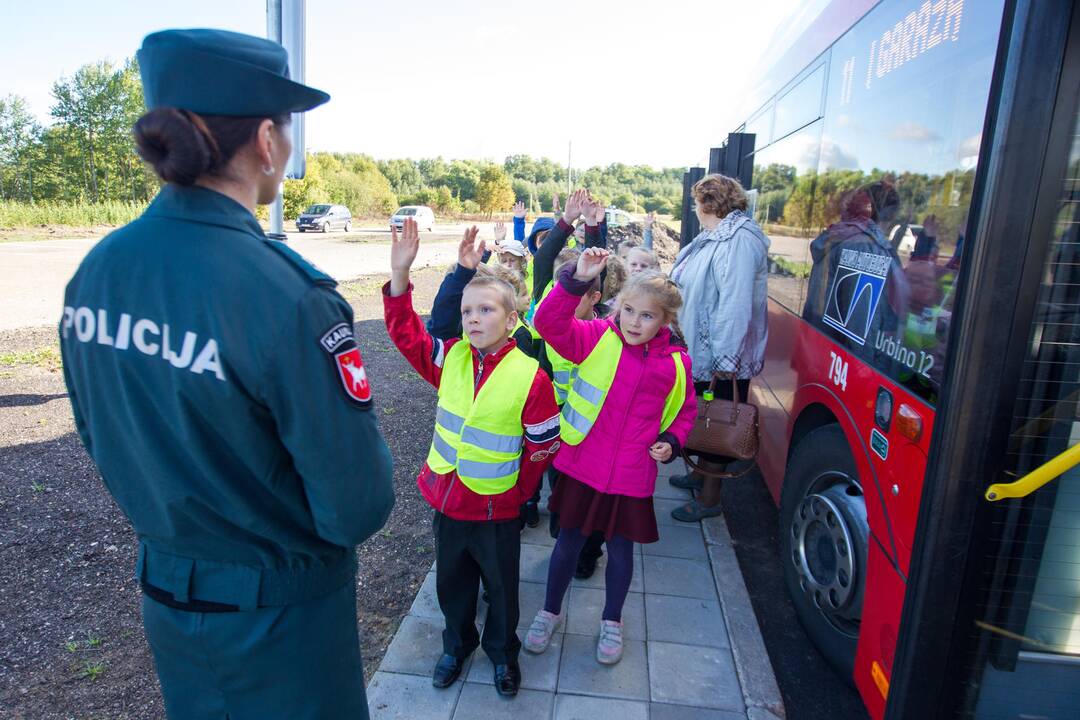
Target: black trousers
<point>465,553</point>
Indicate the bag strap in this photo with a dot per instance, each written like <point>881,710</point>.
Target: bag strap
<point>734,385</point>
<point>709,473</point>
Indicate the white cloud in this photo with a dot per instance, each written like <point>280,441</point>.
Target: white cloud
<point>914,132</point>
<point>834,157</point>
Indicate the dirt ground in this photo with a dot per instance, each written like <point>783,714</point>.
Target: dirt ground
<point>71,638</point>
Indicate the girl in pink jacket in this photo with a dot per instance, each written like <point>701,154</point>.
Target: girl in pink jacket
<point>607,477</point>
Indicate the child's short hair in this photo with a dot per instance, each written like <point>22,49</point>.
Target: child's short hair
<point>509,277</point>
<point>567,256</point>
<point>654,264</point>
<point>626,246</point>
<point>616,276</point>
<point>659,287</point>
<point>504,289</point>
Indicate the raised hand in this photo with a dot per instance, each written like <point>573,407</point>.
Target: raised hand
<point>650,219</point>
<point>519,209</point>
<point>591,263</point>
<point>403,251</point>
<point>574,205</point>
<point>471,250</point>
<point>594,212</point>
<point>500,231</point>
<point>660,451</point>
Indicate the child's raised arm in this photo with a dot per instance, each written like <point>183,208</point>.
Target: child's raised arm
<point>572,338</point>
<point>445,322</point>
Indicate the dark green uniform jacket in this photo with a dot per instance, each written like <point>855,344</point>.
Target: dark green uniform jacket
<point>217,384</point>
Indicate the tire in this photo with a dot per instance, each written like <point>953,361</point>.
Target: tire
<point>300,229</point>
<point>326,227</point>
<point>823,544</point>
<point>348,226</point>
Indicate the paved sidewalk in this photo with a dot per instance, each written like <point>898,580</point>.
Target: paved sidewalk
<point>692,648</point>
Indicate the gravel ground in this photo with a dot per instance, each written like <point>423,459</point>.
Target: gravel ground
<point>73,644</point>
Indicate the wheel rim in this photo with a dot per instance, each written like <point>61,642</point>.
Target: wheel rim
<point>828,549</point>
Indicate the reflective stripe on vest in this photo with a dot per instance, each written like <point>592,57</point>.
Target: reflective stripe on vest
<point>481,437</point>
<point>563,373</point>
<point>593,381</point>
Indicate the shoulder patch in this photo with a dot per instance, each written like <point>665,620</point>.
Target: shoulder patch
<point>308,268</point>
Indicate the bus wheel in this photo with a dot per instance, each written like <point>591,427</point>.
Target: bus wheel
<point>823,543</point>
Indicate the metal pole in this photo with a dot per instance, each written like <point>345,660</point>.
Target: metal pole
<point>569,167</point>
<point>273,32</point>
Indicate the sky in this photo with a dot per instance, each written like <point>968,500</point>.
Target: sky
<point>649,83</point>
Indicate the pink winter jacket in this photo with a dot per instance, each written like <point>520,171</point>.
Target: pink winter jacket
<point>614,457</point>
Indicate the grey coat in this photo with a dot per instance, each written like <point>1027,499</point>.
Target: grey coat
<point>723,275</point>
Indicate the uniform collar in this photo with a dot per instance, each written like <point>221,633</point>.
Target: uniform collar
<point>202,205</point>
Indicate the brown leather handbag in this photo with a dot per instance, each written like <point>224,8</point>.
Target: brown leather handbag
<point>723,427</point>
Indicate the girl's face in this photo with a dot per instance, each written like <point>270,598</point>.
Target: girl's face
<point>485,320</point>
<point>638,260</point>
<point>640,318</point>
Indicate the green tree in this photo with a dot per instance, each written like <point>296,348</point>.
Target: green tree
<point>19,138</point>
<point>462,177</point>
<point>494,192</point>
<point>445,202</point>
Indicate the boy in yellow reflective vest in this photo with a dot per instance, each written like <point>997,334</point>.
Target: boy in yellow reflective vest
<point>496,428</point>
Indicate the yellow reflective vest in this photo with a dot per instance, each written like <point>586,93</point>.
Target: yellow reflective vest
<point>592,382</point>
<point>481,437</point>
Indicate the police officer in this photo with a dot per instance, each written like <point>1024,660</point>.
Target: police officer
<point>217,384</point>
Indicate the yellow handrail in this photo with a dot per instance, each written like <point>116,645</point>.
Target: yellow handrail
<point>1036,478</point>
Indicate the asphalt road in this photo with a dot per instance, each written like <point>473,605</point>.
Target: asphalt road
<point>810,688</point>
<point>33,274</point>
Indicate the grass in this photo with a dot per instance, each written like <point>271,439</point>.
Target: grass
<point>800,270</point>
<point>75,214</point>
<point>93,670</point>
<point>47,357</point>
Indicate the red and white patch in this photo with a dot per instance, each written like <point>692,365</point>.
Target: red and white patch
<point>353,376</point>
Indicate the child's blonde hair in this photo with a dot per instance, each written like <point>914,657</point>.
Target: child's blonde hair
<point>615,278</point>
<point>488,275</point>
<point>515,263</point>
<point>654,264</point>
<point>660,288</point>
<point>626,246</point>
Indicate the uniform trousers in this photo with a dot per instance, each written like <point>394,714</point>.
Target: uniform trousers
<point>293,662</point>
<point>467,552</point>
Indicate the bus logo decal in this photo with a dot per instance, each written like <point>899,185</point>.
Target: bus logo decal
<point>855,293</point>
<point>879,444</point>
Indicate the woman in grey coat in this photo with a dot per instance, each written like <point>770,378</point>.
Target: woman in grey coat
<point>723,276</point>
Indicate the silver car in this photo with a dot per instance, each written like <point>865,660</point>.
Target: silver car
<point>324,218</point>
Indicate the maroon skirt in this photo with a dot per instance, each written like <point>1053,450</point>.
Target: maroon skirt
<point>587,510</point>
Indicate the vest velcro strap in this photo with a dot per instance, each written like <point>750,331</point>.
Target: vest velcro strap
<point>449,420</point>
<point>491,441</point>
<point>488,471</point>
<point>589,392</point>
<point>448,453</point>
<point>576,420</point>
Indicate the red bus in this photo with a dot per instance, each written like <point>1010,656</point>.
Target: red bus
<point>877,156</point>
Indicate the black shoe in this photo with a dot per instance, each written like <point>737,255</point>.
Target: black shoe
<point>447,671</point>
<point>689,481</point>
<point>507,679</point>
<point>586,566</point>
<point>532,514</point>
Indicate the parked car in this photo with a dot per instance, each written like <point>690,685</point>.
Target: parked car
<point>904,241</point>
<point>422,214</point>
<point>617,218</point>
<point>325,218</point>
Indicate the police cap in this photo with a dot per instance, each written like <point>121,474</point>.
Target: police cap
<point>217,72</point>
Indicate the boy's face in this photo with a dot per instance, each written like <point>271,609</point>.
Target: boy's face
<point>585,306</point>
<point>486,322</point>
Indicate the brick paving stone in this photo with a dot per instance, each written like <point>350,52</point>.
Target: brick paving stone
<point>659,711</point>
<point>416,647</point>
<point>407,697</point>
<point>680,542</point>
<point>538,535</point>
<point>675,576</point>
<point>691,621</point>
<point>664,489</point>
<point>534,563</point>
<point>597,579</point>
<point>581,674</point>
<point>695,676</point>
<point>426,603</point>
<point>538,672</point>
<point>579,707</point>
<point>531,601</point>
<point>481,702</point>
<point>663,508</point>
<point>587,605</point>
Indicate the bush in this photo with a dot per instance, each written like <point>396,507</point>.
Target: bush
<point>76,214</point>
<point>470,207</point>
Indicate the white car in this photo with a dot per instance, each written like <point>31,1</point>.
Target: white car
<point>617,218</point>
<point>422,214</point>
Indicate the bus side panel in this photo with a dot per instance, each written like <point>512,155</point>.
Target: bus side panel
<point>774,393</point>
<point>879,631</point>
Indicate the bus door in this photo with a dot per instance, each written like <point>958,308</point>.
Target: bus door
<point>991,625</point>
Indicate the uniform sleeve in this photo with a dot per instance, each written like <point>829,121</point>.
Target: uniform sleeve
<point>317,389</point>
<point>540,418</point>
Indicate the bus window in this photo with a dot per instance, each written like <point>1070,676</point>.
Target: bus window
<point>903,124</point>
<point>784,179</point>
<point>760,126</point>
<point>801,105</point>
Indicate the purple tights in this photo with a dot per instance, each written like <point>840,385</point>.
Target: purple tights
<point>617,577</point>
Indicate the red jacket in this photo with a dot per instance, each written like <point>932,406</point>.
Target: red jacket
<point>539,418</point>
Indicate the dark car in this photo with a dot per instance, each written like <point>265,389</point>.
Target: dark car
<point>325,217</point>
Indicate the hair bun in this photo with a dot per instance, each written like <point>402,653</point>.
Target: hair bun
<point>171,143</point>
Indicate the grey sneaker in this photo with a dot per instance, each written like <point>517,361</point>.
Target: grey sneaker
<point>543,627</point>
<point>609,647</point>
